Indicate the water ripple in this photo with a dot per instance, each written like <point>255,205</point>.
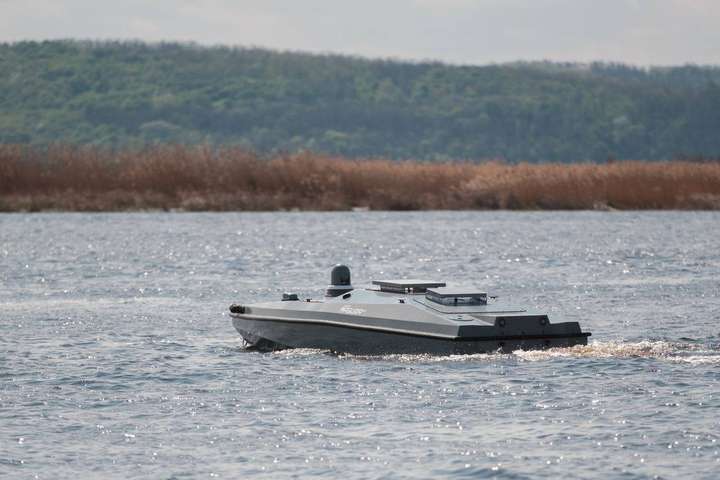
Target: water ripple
<point>119,360</point>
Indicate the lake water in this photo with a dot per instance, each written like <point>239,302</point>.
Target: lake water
<point>118,359</point>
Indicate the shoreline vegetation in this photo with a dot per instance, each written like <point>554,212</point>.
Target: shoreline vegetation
<point>75,178</point>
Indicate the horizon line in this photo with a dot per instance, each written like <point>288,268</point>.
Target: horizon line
<point>356,56</point>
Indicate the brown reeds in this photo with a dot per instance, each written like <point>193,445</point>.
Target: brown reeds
<point>204,178</point>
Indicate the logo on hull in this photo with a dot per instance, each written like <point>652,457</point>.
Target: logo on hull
<point>352,311</point>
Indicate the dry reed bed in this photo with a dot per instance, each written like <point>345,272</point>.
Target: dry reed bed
<point>203,178</point>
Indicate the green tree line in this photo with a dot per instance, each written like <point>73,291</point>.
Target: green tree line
<point>132,94</point>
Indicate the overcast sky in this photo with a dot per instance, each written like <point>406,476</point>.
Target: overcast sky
<point>644,32</point>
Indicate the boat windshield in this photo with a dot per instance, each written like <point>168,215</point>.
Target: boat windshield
<point>456,296</point>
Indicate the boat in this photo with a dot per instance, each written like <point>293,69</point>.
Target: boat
<point>399,316</point>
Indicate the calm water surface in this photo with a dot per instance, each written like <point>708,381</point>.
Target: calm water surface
<point>118,359</point>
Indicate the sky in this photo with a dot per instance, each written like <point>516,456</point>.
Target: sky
<point>640,32</point>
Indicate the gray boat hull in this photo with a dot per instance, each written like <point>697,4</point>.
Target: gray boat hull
<point>401,316</point>
<point>272,334</point>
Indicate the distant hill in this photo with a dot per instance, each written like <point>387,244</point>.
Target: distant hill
<point>124,94</point>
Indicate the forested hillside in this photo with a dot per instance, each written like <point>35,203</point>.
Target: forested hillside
<point>132,94</point>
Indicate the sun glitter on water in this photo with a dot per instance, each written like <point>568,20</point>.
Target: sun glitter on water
<point>660,350</point>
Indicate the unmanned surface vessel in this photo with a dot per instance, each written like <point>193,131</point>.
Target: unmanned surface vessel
<point>399,316</point>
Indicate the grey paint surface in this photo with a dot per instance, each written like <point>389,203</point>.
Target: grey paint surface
<point>374,321</point>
